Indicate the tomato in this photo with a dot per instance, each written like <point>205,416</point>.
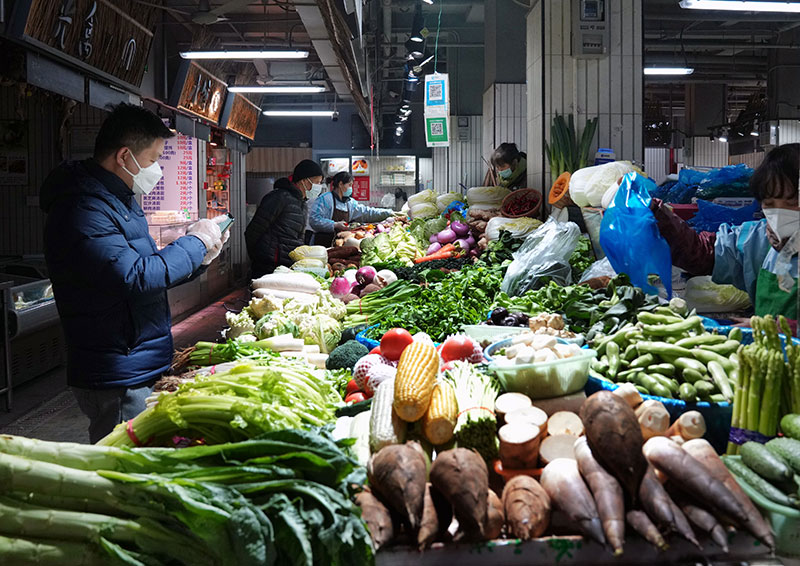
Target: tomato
<point>376,350</point>
<point>394,342</point>
<point>457,348</point>
<point>352,387</point>
<point>356,397</point>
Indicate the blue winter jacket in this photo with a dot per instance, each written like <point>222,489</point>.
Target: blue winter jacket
<point>109,279</point>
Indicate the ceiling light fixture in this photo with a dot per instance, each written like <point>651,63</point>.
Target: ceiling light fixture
<point>418,25</point>
<point>668,70</point>
<point>256,89</point>
<point>299,113</point>
<point>428,1</point>
<point>296,54</point>
<point>741,5</point>
<point>723,137</point>
<point>414,51</point>
<point>755,133</point>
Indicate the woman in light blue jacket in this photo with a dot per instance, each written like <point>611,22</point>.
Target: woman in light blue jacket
<point>332,211</point>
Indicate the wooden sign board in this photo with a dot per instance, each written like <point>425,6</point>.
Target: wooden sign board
<point>92,33</point>
<point>241,116</point>
<point>199,92</point>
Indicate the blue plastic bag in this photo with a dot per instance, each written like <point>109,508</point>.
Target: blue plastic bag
<point>711,216</point>
<point>630,238</point>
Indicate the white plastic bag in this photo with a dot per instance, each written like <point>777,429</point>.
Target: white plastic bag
<point>543,257</point>
<point>600,268</point>
<point>587,186</point>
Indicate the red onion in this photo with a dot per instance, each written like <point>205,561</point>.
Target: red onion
<point>471,241</point>
<point>463,244</point>
<point>365,275</point>
<point>446,236</point>
<point>434,238</point>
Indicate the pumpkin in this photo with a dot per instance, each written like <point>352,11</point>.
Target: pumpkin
<point>559,189</point>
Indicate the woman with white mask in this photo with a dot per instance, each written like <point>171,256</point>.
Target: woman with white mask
<point>759,257</point>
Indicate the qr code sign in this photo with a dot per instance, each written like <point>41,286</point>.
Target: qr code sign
<point>435,91</point>
<point>437,128</point>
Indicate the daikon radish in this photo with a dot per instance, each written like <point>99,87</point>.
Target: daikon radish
<point>295,281</point>
<point>519,445</point>
<point>510,402</point>
<point>653,419</point>
<point>278,294</point>
<point>679,440</point>
<point>555,447</point>
<point>529,415</point>
<point>564,485</point>
<point>565,422</point>
<point>689,425</point>
<point>630,394</point>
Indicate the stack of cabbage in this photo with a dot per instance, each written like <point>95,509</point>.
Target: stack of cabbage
<point>486,198</point>
<point>395,245</point>
<point>310,259</point>
<point>445,200</point>
<point>423,205</point>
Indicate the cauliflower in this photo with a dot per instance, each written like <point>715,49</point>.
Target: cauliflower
<point>244,338</point>
<point>334,308</point>
<point>258,307</point>
<point>239,323</point>
<point>322,330</point>
<point>275,324</point>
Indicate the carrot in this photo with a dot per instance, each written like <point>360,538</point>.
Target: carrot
<point>446,252</point>
<point>693,477</point>
<point>564,485</point>
<point>662,510</point>
<point>607,495</point>
<point>642,524</point>
<point>700,449</point>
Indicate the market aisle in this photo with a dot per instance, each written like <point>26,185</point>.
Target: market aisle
<point>45,408</point>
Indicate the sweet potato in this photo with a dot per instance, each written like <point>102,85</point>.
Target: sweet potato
<point>641,523</point>
<point>462,477</point>
<point>701,450</point>
<point>615,439</point>
<point>377,517</point>
<point>662,510</point>
<point>706,522</point>
<point>607,495</point>
<point>564,485</point>
<point>693,477</point>
<point>527,507</point>
<point>436,517</point>
<point>397,474</point>
<point>495,518</point>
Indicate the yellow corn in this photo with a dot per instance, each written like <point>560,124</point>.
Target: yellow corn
<point>416,376</point>
<point>439,421</point>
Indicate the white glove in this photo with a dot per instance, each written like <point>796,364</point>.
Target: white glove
<point>208,232</point>
<point>339,226</point>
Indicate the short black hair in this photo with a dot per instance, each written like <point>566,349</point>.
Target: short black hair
<point>130,126</point>
<point>778,175</point>
<point>341,177</point>
<point>506,154</point>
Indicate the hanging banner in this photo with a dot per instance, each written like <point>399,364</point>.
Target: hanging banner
<point>361,187</point>
<point>437,110</point>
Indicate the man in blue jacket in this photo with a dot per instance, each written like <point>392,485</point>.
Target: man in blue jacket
<point>109,279</point>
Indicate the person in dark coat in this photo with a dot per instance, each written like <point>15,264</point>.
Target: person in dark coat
<point>109,280</point>
<point>279,223</point>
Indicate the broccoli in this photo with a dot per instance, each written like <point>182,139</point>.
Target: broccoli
<point>346,355</point>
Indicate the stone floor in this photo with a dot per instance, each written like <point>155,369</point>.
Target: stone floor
<point>45,408</point>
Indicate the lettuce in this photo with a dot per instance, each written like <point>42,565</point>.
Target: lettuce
<point>322,330</point>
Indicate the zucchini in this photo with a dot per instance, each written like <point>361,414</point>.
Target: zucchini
<point>765,463</point>
<point>788,449</point>
<point>757,482</point>
<point>790,425</point>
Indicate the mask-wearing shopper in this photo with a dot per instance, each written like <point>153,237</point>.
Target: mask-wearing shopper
<point>279,223</point>
<point>109,279</point>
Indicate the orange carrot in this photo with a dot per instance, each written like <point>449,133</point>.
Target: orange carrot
<point>446,252</point>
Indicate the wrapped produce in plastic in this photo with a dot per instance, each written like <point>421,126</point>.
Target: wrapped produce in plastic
<point>309,262</point>
<point>587,186</point>
<point>487,195</point>
<point>423,210</point>
<point>518,227</point>
<point>442,201</point>
<point>309,252</point>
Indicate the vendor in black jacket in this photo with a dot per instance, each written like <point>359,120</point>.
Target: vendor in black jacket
<point>279,223</point>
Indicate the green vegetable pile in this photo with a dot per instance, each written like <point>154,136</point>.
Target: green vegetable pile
<point>238,404</point>
<point>439,308</point>
<point>279,499</point>
<point>501,250</point>
<point>587,311</point>
<point>395,245</point>
<point>770,383</point>
<point>420,271</point>
<point>668,354</point>
<point>582,258</point>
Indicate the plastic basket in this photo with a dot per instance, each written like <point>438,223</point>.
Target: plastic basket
<point>717,415</point>
<point>361,338</point>
<point>543,380</point>
<point>785,521</point>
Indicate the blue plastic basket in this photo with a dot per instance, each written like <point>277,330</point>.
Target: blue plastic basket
<point>361,337</point>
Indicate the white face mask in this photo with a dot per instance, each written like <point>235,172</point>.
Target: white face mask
<point>146,179</point>
<point>784,222</point>
<point>314,191</point>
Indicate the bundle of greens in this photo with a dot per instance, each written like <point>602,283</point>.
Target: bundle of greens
<point>233,405</point>
<point>475,392</point>
<point>582,258</point>
<point>278,499</point>
<point>502,250</point>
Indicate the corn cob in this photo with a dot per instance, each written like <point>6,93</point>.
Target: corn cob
<point>439,421</point>
<point>416,377</point>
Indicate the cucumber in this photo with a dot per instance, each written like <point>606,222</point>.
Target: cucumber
<point>642,390</point>
<point>670,384</point>
<point>757,482</point>
<point>765,463</point>
<point>646,381</point>
<point>688,393</point>
<point>643,361</point>
<point>788,449</point>
<point>660,390</point>
<point>790,425</point>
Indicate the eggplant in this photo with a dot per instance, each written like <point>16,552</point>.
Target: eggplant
<point>521,318</point>
<point>498,314</point>
<point>509,321</point>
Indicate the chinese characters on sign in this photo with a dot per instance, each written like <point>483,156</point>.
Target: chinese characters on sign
<point>177,189</point>
<point>201,93</point>
<point>361,187</point>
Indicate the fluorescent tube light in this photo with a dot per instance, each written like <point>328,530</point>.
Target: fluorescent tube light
<point>299,113</point>
<point>723,138</point>
<point>668,71</point>
<point>278,89</point>
<point>754,133</point>
<point>296,54</point>
<point>741,5</point>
